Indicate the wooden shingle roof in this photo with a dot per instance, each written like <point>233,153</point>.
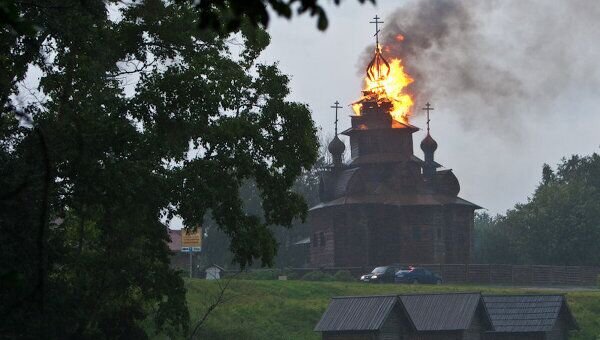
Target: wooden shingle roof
<point>441,312</point>
<point>526,313</point>
<point>356,313</point>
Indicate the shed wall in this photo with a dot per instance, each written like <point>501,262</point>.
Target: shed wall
<point>349,336</point>
<point>395,326</point>
<point>560,329</point>
<point>476,329</point>
<point>514,336</point>
<point>435,336</point>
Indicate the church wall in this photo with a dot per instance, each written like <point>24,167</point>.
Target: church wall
<point>322,238</point>
<point>351,236</point>
<point>371,235</point>
<point>458,234</point>
<point>381,142</point>
<point>419,234</point>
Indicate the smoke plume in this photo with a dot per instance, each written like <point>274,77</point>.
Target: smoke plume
<point>495,63</point>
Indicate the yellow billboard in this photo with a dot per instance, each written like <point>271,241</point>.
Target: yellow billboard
<point>191,239</point>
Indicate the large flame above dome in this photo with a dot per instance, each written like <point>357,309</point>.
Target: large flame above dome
<point>387,82</point>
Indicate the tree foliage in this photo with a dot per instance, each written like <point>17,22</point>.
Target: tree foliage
<point>216,244</point>
<point>138,116</point>
<point>559,225</point>
<point>218,15</point>
<point>228,15</point>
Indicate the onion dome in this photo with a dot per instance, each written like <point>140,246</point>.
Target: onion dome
<point>428,144</point>
<point>336,147</point>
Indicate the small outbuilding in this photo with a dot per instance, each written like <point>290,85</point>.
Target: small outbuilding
<point>403,317</point>
<point>213,272</point>
<point>534,317</point>
<point>363,318</point>
<point>446,316</point>
<point>451,316</point>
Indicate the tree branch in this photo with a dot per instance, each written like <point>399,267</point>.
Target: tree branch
<point>220,299</point>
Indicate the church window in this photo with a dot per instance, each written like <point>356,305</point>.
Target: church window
<point>315,241</point>
<point>322,239</point>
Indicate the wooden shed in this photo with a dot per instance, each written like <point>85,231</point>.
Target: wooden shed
<point>363,318</point>
<point>450,316</point>
<point>517,317</point>
<point>405,317</point>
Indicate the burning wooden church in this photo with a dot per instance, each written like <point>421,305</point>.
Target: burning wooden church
<point>387,205</point>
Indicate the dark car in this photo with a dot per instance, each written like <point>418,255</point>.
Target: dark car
<point>417,275</point>
<point>381,274</point>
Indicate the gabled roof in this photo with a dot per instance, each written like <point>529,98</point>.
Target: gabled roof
<point>303,241</point>
<point>174,239</point>
<point>214,266</point>
<point>397,200</point>
<point>421,162</point>
<point>356,313</point>
<point>441,312</point>
<point>526,313</point>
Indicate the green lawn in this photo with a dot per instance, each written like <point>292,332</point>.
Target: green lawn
<point>290,309</point>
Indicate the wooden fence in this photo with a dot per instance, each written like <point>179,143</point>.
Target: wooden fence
<point>503,274</point>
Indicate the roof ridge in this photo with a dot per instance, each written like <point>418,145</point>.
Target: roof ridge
<point>364,296</point>
<point>450,293</point>
<point>504,295</point>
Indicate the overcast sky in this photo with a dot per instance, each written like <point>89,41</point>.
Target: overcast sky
<point>541,60</point>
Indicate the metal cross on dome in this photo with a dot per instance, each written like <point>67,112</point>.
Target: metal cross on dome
<point>376,22</point>
<point>378,68</point>
<point>428,108</point>
<point>336,107</point>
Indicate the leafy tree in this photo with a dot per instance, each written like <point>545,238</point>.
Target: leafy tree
<point>219,15</point>
<point>561,222</point>
<point>492,240</point>
<point>138,116</point>
<point>216,244</point>
<point>559,225</point>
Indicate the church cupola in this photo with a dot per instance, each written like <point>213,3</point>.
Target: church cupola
<point>336,147</point>
<point>429,145</point>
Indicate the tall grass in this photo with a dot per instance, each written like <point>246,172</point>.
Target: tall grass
<point>290,309</point>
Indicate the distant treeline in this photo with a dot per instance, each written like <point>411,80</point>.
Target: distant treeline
<point>559,224</point>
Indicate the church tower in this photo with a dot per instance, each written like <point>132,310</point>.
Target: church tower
<point>387,205</point>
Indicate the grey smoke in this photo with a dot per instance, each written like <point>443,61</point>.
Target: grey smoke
<point>496,64</point>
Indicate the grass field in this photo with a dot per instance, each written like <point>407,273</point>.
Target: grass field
<point>290,309</point>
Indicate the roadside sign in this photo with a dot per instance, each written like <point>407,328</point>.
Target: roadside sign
<point>191,239</point>
<point>191,242</point>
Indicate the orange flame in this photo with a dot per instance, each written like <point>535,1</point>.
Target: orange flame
<point>390,87</point>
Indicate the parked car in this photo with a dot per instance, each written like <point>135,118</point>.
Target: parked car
<point>381,274</point>
<point>417,275</point>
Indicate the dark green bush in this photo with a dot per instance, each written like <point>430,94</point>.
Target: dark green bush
<point>267,274</point>
<point>260,274</point>
<point>291,275</point>
<point>344,276</point>
<point>317,276</point>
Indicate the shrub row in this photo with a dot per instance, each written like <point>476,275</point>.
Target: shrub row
<point>274,274</point>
